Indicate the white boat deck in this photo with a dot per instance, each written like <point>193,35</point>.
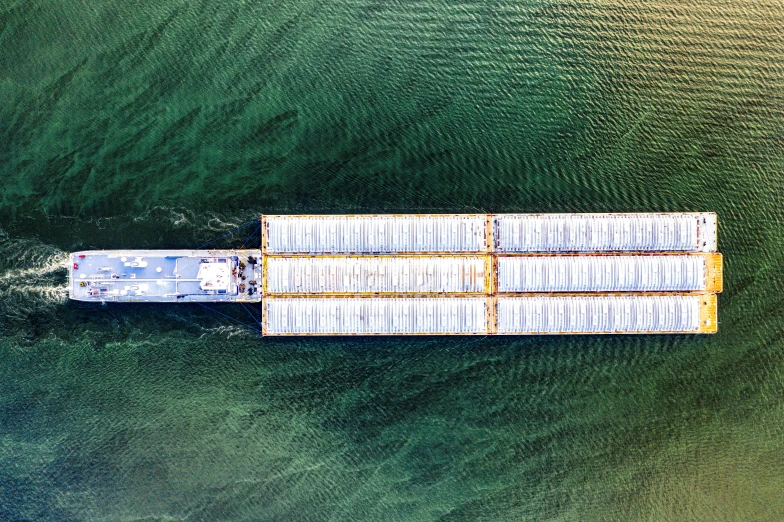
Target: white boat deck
<point>165,276</point>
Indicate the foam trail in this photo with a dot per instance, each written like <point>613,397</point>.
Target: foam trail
<point>33,276</point>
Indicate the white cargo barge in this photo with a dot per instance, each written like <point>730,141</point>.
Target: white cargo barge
<point>375,316</point>
<point>673,232</point>
<point>377,234</point>
<point>376,275</point>
<point>609,273</point>
<point>606,314</point>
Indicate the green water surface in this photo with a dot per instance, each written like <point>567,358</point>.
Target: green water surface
<point>131,124</point>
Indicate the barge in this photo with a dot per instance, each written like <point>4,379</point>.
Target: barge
<point>440,274</point>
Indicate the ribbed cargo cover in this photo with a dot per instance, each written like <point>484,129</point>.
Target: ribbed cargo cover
<point>375,315</point>
<point>351,275</point>
<point>672,232</point>
<point>606,314</point>
<point>602,273</point>
<point>356,234</point>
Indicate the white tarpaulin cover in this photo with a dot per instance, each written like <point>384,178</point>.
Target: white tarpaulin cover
<point>600,314</point>
<point>322,275</point>
<point>321,316</point>
<point>683,232</point>
<point>604,273</point>
<point>375,234</point>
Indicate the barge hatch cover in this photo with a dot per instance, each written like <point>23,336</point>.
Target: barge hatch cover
<point>607,273</point>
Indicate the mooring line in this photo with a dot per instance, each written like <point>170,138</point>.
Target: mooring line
<point>251,236</point>
<point>229,317</point>
<point>251,315</point>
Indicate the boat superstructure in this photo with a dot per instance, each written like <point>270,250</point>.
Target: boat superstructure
<point>441,274</point>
